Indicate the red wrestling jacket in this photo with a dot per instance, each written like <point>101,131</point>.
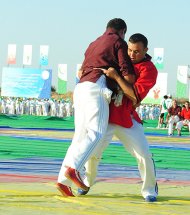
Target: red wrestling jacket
<point>146,74</point>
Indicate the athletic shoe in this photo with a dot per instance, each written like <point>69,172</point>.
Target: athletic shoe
<point>170,135</point>
<point>65,190</point>
<point>150,199</point>
<point>74,176</point>
<point>82,192</point>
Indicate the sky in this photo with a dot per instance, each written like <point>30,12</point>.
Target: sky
<point>68,26</point>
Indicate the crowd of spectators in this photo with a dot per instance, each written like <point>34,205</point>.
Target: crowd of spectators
<point>38,107</point>
<point>169,114</point>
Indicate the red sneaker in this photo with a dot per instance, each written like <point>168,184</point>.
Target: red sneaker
<point>65,190</point>
<point>74,176</point>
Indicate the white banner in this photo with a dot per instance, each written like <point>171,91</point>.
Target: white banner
<point>62,78</point>
<point>27,55</point>
<point>182,88</point>
<point>62,72</point>
<point>11,59</point>
<point>158,91</point>
<point>182,74</point>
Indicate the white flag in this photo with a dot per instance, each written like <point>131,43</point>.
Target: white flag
<point>27,55</point>
<point>11,54</point>
<point>62,78</point>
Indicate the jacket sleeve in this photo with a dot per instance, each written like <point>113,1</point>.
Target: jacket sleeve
<point>146,80</point>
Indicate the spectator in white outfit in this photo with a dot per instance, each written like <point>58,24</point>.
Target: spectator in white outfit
<point>164,110</point>
<point>169,101</point>
<point>174,116</point>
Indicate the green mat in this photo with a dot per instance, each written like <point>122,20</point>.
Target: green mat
<point>13,148</point>
<point>28,121</point>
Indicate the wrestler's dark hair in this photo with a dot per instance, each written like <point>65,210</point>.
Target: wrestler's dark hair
<point>135,38</point>
<point>117,24</point>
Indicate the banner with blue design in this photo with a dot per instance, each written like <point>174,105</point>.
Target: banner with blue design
<point>159,58</point>
<point>44,55</point>
<point>77,71</point>
<point>26,82</point>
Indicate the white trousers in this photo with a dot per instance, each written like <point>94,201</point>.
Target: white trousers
<point>91,104</point>
<point>181,123</point>
<point>136,144</point>
<point>171,121</point>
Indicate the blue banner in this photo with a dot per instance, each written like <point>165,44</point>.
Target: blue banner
<point>26,82</point>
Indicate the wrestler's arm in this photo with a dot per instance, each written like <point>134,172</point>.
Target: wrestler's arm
<point>126,83</point>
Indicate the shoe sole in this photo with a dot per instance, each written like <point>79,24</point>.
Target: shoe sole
<point>76,182</point>
<point>62,192</point>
